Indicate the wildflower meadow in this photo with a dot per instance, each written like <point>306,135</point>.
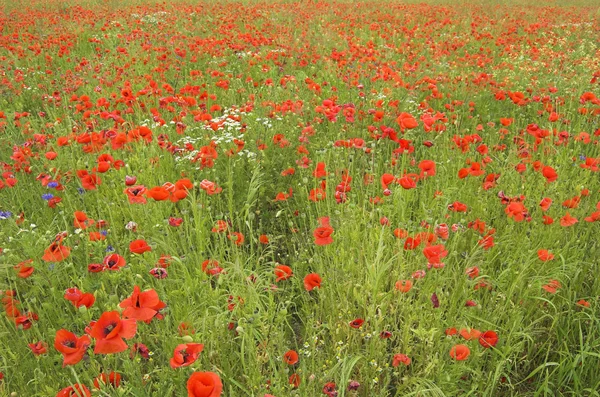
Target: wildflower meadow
<point>299,198</point>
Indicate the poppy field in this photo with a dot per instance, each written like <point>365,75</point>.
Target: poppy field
<point>299,199</point>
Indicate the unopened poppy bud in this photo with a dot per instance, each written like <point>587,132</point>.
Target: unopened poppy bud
<point>187,339</point>
<point>239,329</point>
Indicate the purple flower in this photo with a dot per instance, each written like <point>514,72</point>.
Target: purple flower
<point>435,301</point>
<point>353,385</point>
<point>47,196</point>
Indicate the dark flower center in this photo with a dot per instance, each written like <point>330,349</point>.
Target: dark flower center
<point>109,328</point>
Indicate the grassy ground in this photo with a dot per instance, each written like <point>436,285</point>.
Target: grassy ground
<point>427,134</point>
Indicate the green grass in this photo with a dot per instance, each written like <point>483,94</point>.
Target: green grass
<point>446,57</point>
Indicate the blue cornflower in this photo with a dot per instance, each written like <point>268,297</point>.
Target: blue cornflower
<point>47,196</point>
<point>80,190</point>
<point>5,214</point>
<point>53,184</point>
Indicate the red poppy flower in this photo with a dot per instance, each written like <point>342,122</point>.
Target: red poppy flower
<point>179,195</point>
<point>282,272</point>
<point>401,358</point>
<point>113,262</point>
<point>210,188</point>
<point>164,261</point>
<point>79,298</point>
<point>290,357</point>
<point>77,390</point>
<point>547,220</point>
<point>323,233</point>
<point>550,174</point>
<point>130,180</point>
<point>204,384</point>
<point>451,331</point>
<point>113,379</point>
<point>552,287</point>
<point>403,286</point>
<point>139,247</point>
<point>472,272</point>
<point>386,180</point>
<point>545,255</point>
<point>220,226</point>
<point>594,217</point>
<point>435,253</point>
<point>568,220</point>
<point>294,380</point>
<point>71,347</point>
<point>95,267</point>
<point>470,334</point>
<point>312,281</point>
<point>56,253</point>
<point>427,168</point>
<point>400,233</point>
<point>135,194</point>
<point>583,303</point>
<point>141,349</point>
<point>407,182</point>
<point>406,121</point>
<point>175,222</point>
<point>90,182</point>
<point>460,352</point>
<point>81,220</point>
<point>38,348</point>
<point>186,354</point>
<point>319,171</point>
<point>572,202</point>
<point>488,339</point>
<point>211,267</point>
<point>329,389</point>
<point>25,321</point>
<point>545,203</point>
<point>517,211</point>
<point>158,273</point>
<point>158,193</point>
<point>458,207</point>
<point>142,306</point>
<point>109,332</point>
<point>357,323</point>
<point>237,238</point>
<point>23,269</point>
<point>186,328</point>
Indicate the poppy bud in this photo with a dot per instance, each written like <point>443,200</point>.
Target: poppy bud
<point>130,180</point>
